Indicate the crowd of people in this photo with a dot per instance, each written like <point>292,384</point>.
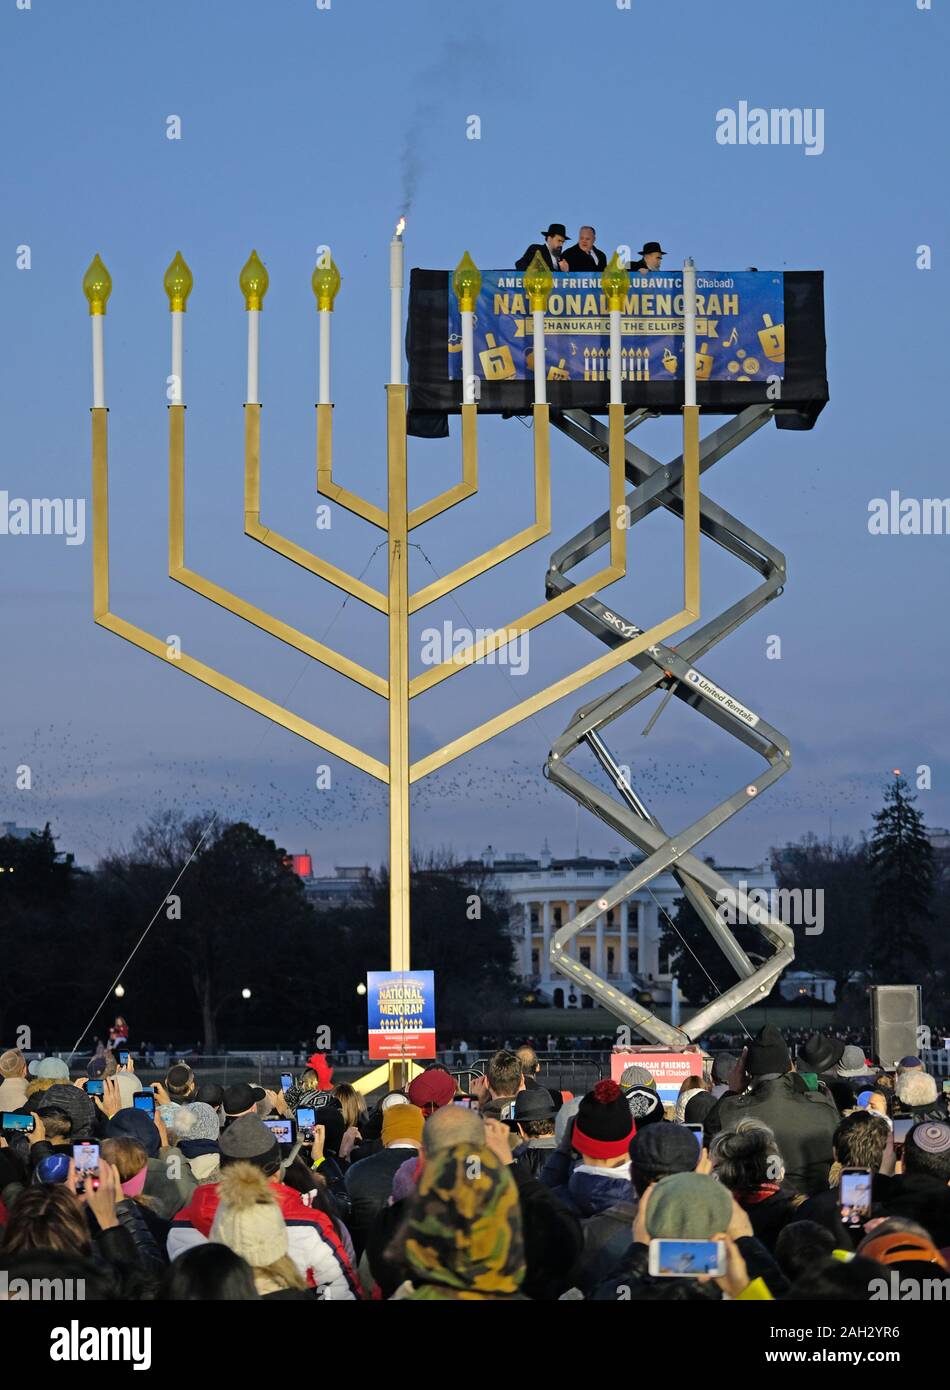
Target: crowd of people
<point>736,1189</point>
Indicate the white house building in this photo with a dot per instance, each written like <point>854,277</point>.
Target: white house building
<point>623,946</point>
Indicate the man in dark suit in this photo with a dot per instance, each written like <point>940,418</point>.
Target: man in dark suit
<point>585,255</point>
<point>651,257</point>
<point>550,248</point>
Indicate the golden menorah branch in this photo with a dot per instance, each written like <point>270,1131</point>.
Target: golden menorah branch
<point>541,526</point>
<point>224,598</point>
<point>461,490</point>
<point>627,650</point>
<point>325,484</point>
<point>254,527</point>
<point>181,661</point>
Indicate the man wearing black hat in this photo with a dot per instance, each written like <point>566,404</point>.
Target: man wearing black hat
<point>651,257</point>
<point>550,248</point>
<point>803,1121</point>
<point>531,1114</point>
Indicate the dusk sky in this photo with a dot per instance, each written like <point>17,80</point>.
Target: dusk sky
<point>295,127</point>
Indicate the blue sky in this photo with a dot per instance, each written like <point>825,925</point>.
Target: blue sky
<point>295,123</point>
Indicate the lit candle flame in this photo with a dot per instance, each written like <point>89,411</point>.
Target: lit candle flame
<point>400,227</point>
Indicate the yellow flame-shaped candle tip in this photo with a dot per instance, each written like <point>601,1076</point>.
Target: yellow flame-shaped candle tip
<point>538,282</point>
<point>467,283</point>
<point>178,284</point>
<point>326,282</point>
<point>97,285</point>
<point>615,282</point>
<point>254,280</point>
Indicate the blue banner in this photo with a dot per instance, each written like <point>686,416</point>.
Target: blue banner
<point>740,329</point>
<point>401,1013</point>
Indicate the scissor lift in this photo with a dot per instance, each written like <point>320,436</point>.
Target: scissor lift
<point>675,671</point>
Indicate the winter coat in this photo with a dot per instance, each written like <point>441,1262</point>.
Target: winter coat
<point>606,1238</point>
<point>148,1231</point>
<point>315,1245</point>
<point>13,1092</point>
<point>534,1153</point>
<point>802,1121</point>
<point>584,1188</point>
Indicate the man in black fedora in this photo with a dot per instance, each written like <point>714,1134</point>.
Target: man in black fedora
<point>651,257</point>
<point>550,248</point>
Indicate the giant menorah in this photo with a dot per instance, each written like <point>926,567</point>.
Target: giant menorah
<point>397,686</point>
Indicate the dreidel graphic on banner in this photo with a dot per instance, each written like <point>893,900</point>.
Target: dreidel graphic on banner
<point>772,338</point>
<point>497,362</point>
<point>704,363</point>
<point>670,360</point>
<point>559,373</point>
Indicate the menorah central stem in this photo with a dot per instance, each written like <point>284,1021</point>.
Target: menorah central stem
<point>398,680</point>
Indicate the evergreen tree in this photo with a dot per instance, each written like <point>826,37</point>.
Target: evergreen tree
<point>902,876</point>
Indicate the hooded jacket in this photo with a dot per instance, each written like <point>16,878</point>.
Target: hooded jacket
<point>314,1245</point>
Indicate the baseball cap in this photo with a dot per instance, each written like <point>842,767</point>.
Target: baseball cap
<point>242,1097</point>
<point>50,1069</point>
<point>664,1149</point>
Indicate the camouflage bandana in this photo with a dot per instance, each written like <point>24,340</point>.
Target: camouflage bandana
<point>463,1238</point>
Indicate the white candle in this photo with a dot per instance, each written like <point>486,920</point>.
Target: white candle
<point>253,355</point>
<point>468,356</point>
<point>540,392</point>
<point>324,396</point>
<point>689,330</point>
<point>616,390</point>
<point>177,395</point>
<point>98,362</point>
<point>396,274</point>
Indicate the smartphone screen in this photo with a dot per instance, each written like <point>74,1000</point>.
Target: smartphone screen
<point>144,1100</point>
<point>86,1157</point>
<point>18,1124</point>
<point>698,1131</point>
<point>854,1196</point>
<point>686,1259</point>
<point>95,1087</point>
<point>286,1081</point>
<point>946,1088</point>
<point>123,1058</point>
<point>306,1119</point>
<point>282,1130</point>
<point>901,1130</point>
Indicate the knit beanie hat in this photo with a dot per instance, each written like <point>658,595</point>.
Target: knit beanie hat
<point>688,1206</point>
<point>196,1121</point>
<point>604,1124</point>
<point>248,1219</point>
<point>768,1053</point>
<point>635,1076</point>
<point>402,1123</point>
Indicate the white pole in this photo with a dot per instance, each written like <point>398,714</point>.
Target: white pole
<point>396,265</point>
<point>253,355</point>
<point>616,389</point>
<point>178,357</point>
<point>98,362</point>
<point>540,391</point>
<point>324,395</point>
<point>689,330</point>
<point>468,356</point>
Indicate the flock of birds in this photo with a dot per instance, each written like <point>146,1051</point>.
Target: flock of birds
<point>94,801</point>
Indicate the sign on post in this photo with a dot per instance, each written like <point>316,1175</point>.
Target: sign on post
<point>401,1005</point>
